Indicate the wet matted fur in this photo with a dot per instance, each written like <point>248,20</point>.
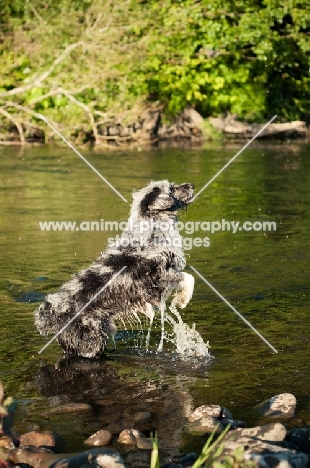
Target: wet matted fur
<point>154,260</point>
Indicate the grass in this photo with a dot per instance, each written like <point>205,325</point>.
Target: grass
<point>209,456</point>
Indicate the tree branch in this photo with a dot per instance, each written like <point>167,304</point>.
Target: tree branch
<point>16,123</point>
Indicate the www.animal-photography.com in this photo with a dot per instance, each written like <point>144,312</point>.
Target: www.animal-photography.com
<point>154,237</point>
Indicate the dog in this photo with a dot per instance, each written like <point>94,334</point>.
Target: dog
<point>150,249</point>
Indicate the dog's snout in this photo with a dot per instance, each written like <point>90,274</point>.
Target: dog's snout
<point>192,186</point>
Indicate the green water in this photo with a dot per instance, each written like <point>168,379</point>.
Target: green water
<point>264,275</point>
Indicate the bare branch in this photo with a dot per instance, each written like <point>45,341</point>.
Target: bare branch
<point>16,123</point>
<point>38,81</point>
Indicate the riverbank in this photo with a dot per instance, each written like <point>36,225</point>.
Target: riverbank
<point>270,444</point>
<point>152,129</point>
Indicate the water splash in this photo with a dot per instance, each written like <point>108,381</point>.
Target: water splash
<point>188,341</point>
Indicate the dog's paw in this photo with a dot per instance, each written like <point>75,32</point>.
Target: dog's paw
<point>185,293</point>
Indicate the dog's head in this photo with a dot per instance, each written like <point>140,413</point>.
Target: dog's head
<point>161,197</point>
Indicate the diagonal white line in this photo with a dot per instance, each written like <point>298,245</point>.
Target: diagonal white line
<point>82,157</point>
<point>232,159</point>
<point>83,308</point>
<point>235,310</point>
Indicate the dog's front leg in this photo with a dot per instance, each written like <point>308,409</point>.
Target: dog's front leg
<point>185,290</point>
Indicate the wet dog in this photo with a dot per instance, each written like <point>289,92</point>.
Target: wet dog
<point>150,249</point>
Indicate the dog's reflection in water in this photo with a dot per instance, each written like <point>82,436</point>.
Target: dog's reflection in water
<point>118,401</point>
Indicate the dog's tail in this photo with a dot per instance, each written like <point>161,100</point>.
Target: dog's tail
<point>46,318</point>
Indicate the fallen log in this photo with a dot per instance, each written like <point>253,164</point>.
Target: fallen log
<point>231,127</point>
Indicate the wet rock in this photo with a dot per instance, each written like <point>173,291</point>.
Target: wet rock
<point>32,456</point>
<point>265,445</point>
<point>47,439</point>
<point>95,458</point>
<point>102,437</point>
<point>129,436</point>
<point>205,411</point>
<point>279,406</point>
<point>204,426</point>
<point>7,443</point>
<point>116,427</point>
<point>226,413</point>
<point>270,456</point>
<point>31,296</point>
<point>234,423</point>
<point>274,432</point>
<point>71,408</point>
<point>300,437</point>
<point>144,443</point>
<point>188,460</point>
<point>143,416</point>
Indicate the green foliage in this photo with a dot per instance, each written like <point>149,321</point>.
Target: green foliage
<point>242,57</point>
<point>211,450</point>
<point>85,62</point>
<point>155,463</point>
<point>211,454</point>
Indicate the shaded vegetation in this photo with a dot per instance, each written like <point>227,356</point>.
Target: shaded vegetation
<point>90,63</point>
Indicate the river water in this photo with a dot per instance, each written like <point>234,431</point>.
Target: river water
<point>264,275</point>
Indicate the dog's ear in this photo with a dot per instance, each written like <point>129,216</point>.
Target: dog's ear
<point>156,200</point>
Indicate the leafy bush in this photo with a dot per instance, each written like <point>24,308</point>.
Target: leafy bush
<point>87,62</point>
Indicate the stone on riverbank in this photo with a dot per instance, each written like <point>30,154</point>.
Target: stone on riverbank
<point>102,437</point>
<point>204,426</point>
<point>95,458</point>
<point>6,442</point>
<point>47,439</point>
<point>71,408</point>
<point>204,411</point>
<point>233,423</point>
<point>144,443</point>
<point>31,456</point>
<point>129,436</point>
<point>143,416</point>
<point>264,445</point>
<point>280,406</point>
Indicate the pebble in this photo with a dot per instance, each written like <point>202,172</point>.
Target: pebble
<point>47,439</point>
<point>103,402</point>
<point>102,437</point>
<point>234,423</point>
<point>129,436</point>
<point>29,455</point>
<point>144,443</point>
<point>274,432</point>
<point>71,408</point>
<point>94,458</point>
<point>204,426</point>
<point>265,446</point>
<point>204,411</point>
<point>226,413</point>
<point>6,442</point>
<point>279,406</point>
<point>143,416</point>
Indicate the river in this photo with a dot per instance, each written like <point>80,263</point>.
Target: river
<point>263,274</point>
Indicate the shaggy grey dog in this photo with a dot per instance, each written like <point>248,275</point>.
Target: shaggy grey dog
<point>151,250</point>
